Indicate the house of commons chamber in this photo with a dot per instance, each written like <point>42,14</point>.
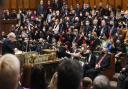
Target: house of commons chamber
<point>63,44</point>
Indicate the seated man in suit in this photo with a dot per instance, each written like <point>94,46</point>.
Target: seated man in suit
<point>90,61</point>
<point>103,60</point>
<point>102,64</point>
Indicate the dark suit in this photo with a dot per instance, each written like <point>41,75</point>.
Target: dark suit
<point>88,29</point>
<point>104,30</point>
<point>105,12</point>
<point>77,12</point>
<point>79,40</point>
<point>112,31</point>
<point>8,46</point>
<point>103,66</point>
<point>91,59</point>
<point>57,5</point>
<point>62,52</point>
<point>105,63</point>
<point>70,37</point>
<point>41,10</point>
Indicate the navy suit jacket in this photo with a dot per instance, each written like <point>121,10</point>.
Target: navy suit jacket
<point>92,62</point>
<point>106,61</point>
<point>41,9</point>
<point>8,46</point>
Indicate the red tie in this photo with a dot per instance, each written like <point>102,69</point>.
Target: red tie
<point>78,39</point>
<point>110,33</point>
<point>100,61</point>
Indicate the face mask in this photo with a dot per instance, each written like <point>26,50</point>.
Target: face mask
<point>87,23</point>
<point>118,41</point>
<point>111,23</point>
<point>80,14</point>
<point>53,14</point>
<point>44,29</point>
<point>75,33</point>
<point>95,22</point>
<point>57,14</point>
<point>89,35</point>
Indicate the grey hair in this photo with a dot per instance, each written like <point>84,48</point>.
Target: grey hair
<point>101,82</point>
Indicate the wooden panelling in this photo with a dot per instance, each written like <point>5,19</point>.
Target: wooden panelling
<point>26,4</point>
<point>118,2</point>
<point>7,4</point>
<point>69,3</point>
<point>111,2</point>
<point>13,4</point>
<point>32,4</point>
<point>81,3</point>
<point>74,3</point>
<point>20,4</point>
<point>97,2</point>
<point>125,4</point>
<point>91,3</point>
<point>6,25</point>
<point>86,1</point>
<point>104,2</point>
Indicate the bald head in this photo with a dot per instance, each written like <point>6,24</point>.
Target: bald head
<point>9,71</point>
<point>101,82</point>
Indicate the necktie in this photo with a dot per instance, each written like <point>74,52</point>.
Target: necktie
<point>101,60</point>
<point>78,39</point>
<point>110,33</point>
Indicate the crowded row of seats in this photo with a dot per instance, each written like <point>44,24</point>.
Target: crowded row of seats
<point>88,42</point>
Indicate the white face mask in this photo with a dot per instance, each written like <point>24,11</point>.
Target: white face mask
<point>89,35</point>
<point>95,22</point>
<point>111,22</point>
<point>75,33</point>
<point>53,14</point>
<point>118,41</point>
<point>87,23</point>
<point>80,14</point>
<point>44,29</point>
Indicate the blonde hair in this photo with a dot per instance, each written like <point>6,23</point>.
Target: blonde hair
<point>9,71</point>
<point>53,82</point>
